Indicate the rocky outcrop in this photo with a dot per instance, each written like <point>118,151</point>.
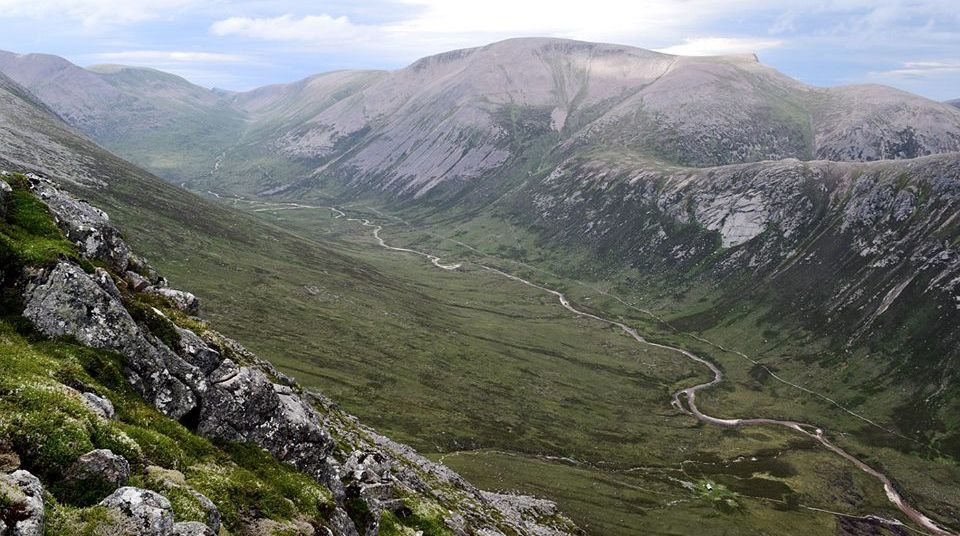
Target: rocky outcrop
<point>85,225</point>
<point>242,404</point>
<point>149,512</point>
<point>21,511</point>
<point>64,300</point>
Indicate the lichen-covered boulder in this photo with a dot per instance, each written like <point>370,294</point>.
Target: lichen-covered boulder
<point>198,353</point>
<point>192,528</point>
<point>96,474</point>
<point>65,300</point>
<point>242,404</point>
<point>83,224</point>
<point>148,511</point>
<point>21,504</point>
<point>99,405</point>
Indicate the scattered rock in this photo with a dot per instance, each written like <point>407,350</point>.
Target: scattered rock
<point>22,500</point>
<point>136,282</point>
<point>97,473</point>
<point>99,405</point>
<point>149,511</point>
<point>213,513</point>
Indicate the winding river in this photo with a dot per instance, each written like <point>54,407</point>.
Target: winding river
<point>685,399</point>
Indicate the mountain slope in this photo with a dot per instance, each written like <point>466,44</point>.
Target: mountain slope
<point>467,114</point>
<point>155,118</point>
<point>954,103</point>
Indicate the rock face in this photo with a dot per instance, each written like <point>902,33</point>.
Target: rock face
<point>148,511</point>
<point>64,300</point>
<point>242,404</point>
<point>22,512</point>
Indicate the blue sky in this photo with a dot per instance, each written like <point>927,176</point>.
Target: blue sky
<point>911,44</point>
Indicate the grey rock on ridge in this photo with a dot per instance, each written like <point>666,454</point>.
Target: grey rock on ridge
<point>223,391</point>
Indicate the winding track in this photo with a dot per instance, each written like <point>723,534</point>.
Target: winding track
<point>689,394</point>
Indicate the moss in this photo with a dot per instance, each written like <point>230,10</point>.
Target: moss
<point>254,483</point>
<point>143,311</point>
<point>91,521</point>
<point>29,235</point>
<point>417,516</point>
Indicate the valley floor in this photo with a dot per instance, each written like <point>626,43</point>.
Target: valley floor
<point>514,392</point>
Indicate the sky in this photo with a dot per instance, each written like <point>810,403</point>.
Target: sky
<point>242,44</point>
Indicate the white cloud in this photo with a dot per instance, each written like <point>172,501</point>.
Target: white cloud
<point>716,46</point>
<point>312,28</point>
<point>93,13</point>
<point>165,56</point>
<point>921,69</point>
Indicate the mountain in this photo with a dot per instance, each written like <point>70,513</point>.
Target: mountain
<point>158,118</point>
<point>954,103</point>
<point>467,114</point>
<point>116,413</point>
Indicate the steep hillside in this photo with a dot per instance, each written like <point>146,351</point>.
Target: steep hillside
<point>103,360</point>
<point>954,103</point>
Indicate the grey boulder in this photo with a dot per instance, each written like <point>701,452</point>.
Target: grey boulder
<point>98,469</point>
<point>181,299</point>
<point>85,225</point>
<point>99,405</point>
<point>148,511</point>
<point>242,404</point>
<point>23,494</point>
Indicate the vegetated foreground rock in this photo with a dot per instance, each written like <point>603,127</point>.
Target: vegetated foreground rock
<point>216,387</point>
